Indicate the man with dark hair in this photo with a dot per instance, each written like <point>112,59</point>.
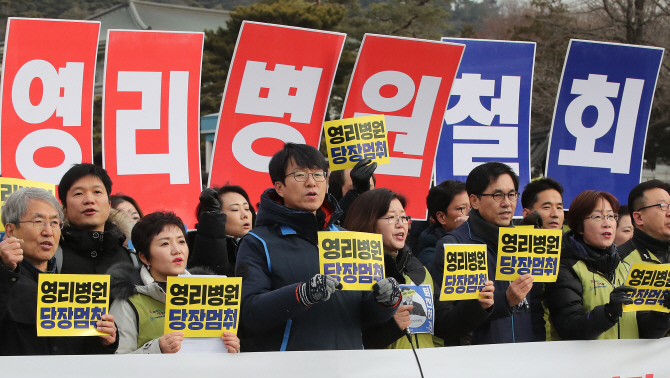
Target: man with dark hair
<point>649,206</point>
<point>448,207</point>
<point>493,190</point>
<point>286,303</point>
<point>545,197</point>
<point>33,220</point>
<point>90,244</point>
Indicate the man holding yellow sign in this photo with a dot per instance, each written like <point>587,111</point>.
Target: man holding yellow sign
<point>287,304</point>
<point>515,317</point>
<point>33,219</point>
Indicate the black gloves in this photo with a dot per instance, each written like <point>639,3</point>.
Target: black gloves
<point>618,298</point>
<point>361,173</point>
<point>387,292</point>
<point>666,299</point>
<point>317,289</point>
<point>209,201</point>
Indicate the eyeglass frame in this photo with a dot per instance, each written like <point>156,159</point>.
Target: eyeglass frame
<point>660,205</point>
<point>325,176</point>
<point>503,195</point>
<point>407,217</point>
<point>615,216</point>
<point>461,208</point>
<point>45,223</point>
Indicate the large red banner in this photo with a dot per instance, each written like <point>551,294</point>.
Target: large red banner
<point>277,91</point>
<point>412,90</point>
<point>47,97</point>
<point>151,140</point>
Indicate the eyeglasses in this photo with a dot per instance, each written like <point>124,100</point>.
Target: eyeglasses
<point>395,219</point>
<point>463,209</point>
<point>598,218</point>
<point>303,176</point>
<point>42,223</point>
<point>498,197</point>
<point>662,205</point>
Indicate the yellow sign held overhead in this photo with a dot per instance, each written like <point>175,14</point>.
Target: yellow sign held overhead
<point>353,139</point>
<point>356,259</point>
<point>202,306</point>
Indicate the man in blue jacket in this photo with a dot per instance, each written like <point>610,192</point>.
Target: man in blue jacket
<point>493,190</point>
<point>286,303</point>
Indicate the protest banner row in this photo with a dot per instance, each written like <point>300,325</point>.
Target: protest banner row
<point>445,108</point>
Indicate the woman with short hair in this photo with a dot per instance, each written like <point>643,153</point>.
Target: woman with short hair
<point>139,294</point>
<point>586,301</point>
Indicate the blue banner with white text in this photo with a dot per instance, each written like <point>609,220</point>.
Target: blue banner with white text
<point>488,115</point>
<point>601,117</point>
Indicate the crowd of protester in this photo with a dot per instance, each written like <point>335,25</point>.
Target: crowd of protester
<point>286,304</point>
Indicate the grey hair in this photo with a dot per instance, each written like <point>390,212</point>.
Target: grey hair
<point>17,204</point>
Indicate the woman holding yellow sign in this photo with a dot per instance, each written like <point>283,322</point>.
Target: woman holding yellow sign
<point>382,211</point>
<point>139,295</point>
<point>586,302</point>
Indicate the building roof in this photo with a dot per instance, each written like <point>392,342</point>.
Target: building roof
<point>143,15</point>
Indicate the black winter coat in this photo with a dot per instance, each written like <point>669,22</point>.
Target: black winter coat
<point>277,256</point>
<point>18,319</point>
<point>93,252</point>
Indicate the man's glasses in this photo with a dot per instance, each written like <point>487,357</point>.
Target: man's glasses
<point>303,176</point>
<point>662,205</point>
<point>42,223</point>
<point>499,197</point>
<point>463,209</point>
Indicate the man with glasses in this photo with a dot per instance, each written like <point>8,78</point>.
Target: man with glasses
<point>650,215</point>
<point>286,303</point>
<point>544,196</point>
<point>33,220</point>
<point>493,190</point>
<point>448,207</point>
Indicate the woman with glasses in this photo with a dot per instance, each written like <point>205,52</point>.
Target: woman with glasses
<point>382,211</point>
<point>586,302</point>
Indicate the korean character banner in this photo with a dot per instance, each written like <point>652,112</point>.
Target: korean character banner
<point>422,315</point>
<point>356,259</point>
<point>488,115</point>
<point>600,121</point>
<point>528,251</point>
<point>351,140</point>
<point>203,306</point>
<point>71,304</point>
<point>465,271</point>
<point>651,283</point>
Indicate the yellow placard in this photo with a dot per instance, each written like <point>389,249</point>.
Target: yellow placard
<point>353,139</point>
<point>651,283</point>
<point>203,306</point>
<point>465,271</point>
<point>525,226</point>
<point>528,251</point>
<point>10,185</point>
<point>71,304</point>
<point>356,259</point>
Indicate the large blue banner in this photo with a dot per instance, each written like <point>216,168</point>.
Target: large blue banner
<point>488,116</point>
<point>601,117</point>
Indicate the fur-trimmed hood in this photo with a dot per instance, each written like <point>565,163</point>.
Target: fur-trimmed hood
<point>126,281</point>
